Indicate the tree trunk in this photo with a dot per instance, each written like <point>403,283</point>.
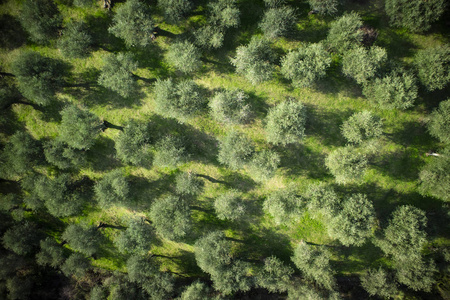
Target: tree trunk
<point>209,178</point>
<point>107,4</point>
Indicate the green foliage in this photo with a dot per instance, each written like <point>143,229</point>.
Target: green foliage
<point>77,265</point>
<point>136,239</point>
<point>355,222</point>
<point>235,150</point>
<point>63,156</point>
<point>323,199</point>
<point>59,195</point>
<point>392,91</point>
<point>212,251</point>
<point>255,61</point>
<point>347,164</point>
<point>309,292</point>
<point>439,125</point>
<point>98,293</point>
<point>196,291</point>
<point>416,274</point>
<point>233,278</point>
<point>122,289</point>
<point>284,205</point>
<point>19,287</point>
<point>180,100</point>
<point>345,33</point>
<point>133,144</point>
<point>434,177</point>
<point>41,18</point>
<point>79,127</point>
<point>82,3</point>
<point>133,23</point>
<point>363,64</point>
<point>362,127</point>
<point>415,15</point>
<point>51,253</point>
<point>325,7</point>
<point>188,184</point>
<point>379,283</point>
<point>75,40</point>
<point>305,65</point>
<point>314,262</point>
<point>38,77</point>
<point>82,238</point>
<point>9,202</point>
<point>11,263</point>
<point>117,73</point>
<point>229,206</point>
<point>230,106</point>
<point>285,123</point>
<point>264,164</point>
<point>208,37</point>
<point>278,21</point>
<point>170,152</point>
<point>171,217</point>
<point>433,67</point>
<point>175,10</point>
<point>274,3</point>
<point>20,155</point>
<point>274,276</point>
<point>184,56</point>
<point>405,236</point>
<point>22,239</point>
<point>112,189</point>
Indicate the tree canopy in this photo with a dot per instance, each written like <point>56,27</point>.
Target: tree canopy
<point>41,18</point>
<point>22,239</point>
<point>82,238</point>
<point>187,183</point>
<point>439,125</point>
<point>325,7</point>
<point>229,206</point>
<point>170,152</point>
<point>175,10</point>
<point>363,64</point>
<point>434,177</point>
<point>117,73</point>
<point>63,156</point>
<point>379,282</point>
<point>75,40</point>
<point>113,188</point>
<point>284,205</point>
<point>433,67</point>
<point>278,21</point>
<point>136,239</point>
<point>264,164</point>
<point>274,275</point>
<point>362,127</point>
<point>230,106</point>
<point>184,56</point>
<point>347,164</point>
<point>345,33</point>
<point>235,150</point>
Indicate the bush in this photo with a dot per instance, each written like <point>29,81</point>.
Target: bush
<point>75,40</point>
<point>184,56</point>
<point>254,61</point>
<point>285,123</point>
<point>284,205</point>
<point>175,10</point>
<point>345,33</point>
<point>170,153</point>
<point>117,74</point>
<point>433,67</point>
<point>230,106</point>
<point>133,23</point>
<point>264,164</point>
<point>305,65</point>
<point>325,7</point>
<point>362,127</point>
<point>415,15</point>
<point>278,22</point>
<point>235,150</point>
<point>274,276</point>
<point>38,77</point>
<point>112,189</point>
<point>187,183</point>
<point>347,164</point>
<point>392,91</point>
<point>41,18</point>
<point>229,206</point>
<point>181,100</point>
<point>379,283</point>
<point>434,178</point>
<point>63,156</point>
<point>133,144</point>
<point>363,64</point>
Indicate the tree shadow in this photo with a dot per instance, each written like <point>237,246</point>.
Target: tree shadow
<point>414,134</point>
<point>265,243</point>
<point>145,191</point>
<point>12,34</point>
<point>238,181</point>
<point>98,95</point>
<point>102,156</point>
<point>298,159</point>
<point>403,164</point>
<point>397,43</point>
<point>98,25</point>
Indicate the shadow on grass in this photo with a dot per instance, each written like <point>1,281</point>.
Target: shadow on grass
<point>102,156</point>
<point>397,43</point>
<point>265,243</point>
<point>12,35</point>
<point>414,134</point>
<point>144,192</point>
<point>98,26</point>
<point>403,165</point>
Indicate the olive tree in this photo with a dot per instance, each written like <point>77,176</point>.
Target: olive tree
<point>299,290</point>
<point>230,106</point>
<point>235,150</point>
<point>395,90</point>
<point>113,188</point>
<point>362,127</point>
<point>285,123</point>
<point>175,10</point>
<point>263,165</point>
<point>229,206</point>
<point>63,156</point>
<point>75,40</point>
<point>314,262</point>
<point>284,205</point>
<point>439,124</point>
<point>417,274</point>
<point>274,275</point>
<point>255,61</point>
<point>41,18</point>
<point>79,127</point>
<point>184,56</point>
<point>278,21</point>
<point>117,74</point>
<point>133,23</point>
<point>136,239</point>
<point>433,67</point>
<point>355,222</point>
<point>325,7</point>
<point>171,217</point>
<point>347,164</point>
<point>181,100</point>
<point>414,15</point>
<point>22,239</point>
<point>82,238</point>
<point>187,183</point>
<point>38,77</point>
<point>212,251</point>
<point>51,253</point>
<point>76,265</point>
<point>434,178</point>
<point>170,152</point>
<point>233,278</point>
<point>363,64</point>
<point>305,65</point>
<point>196,291</point>
<point>345,33</point>
<point>134,143</point>
<point>379,283</point>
